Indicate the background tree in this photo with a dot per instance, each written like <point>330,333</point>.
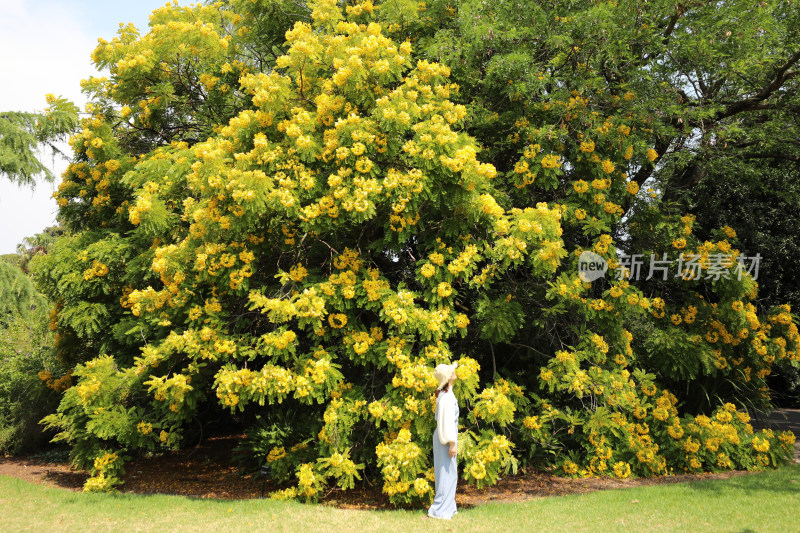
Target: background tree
<point>30,377</point>
<point>761,206</point>
<point>23,134</point>
<point>37,245</point>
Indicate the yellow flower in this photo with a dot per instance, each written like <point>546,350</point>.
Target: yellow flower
<point>532,422</point>
<point>428,270</point>
<point>760,444</point>
<point>622,469</point>
<point>376,409</point>
<point>660,413</point>
<point>724,416</point>
<point>580,186</point>
<point>628,152</point>
<point>337,320</point>
<point>297,273</point>
<point>729,231</point>
<point>276,453</point>
<point>363,165</point>
<point>421,486</point>
<point>675,431</point>
<point>652,155</point>
<point>691,446</point>
<point>587,146</point>
<point>551,161</point>
<point>444,289</point>
<point>608,166</point>
<point>478,470</point>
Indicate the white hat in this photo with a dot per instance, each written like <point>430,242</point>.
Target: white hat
<point>442,374</point>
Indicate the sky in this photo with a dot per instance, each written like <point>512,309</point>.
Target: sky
<point>46,47</point>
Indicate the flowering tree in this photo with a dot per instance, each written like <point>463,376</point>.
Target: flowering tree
<point>309,226</point>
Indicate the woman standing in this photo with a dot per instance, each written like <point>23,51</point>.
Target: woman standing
<point>445,444</point>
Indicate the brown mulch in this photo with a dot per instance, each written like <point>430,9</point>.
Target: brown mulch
<point>205,471</point>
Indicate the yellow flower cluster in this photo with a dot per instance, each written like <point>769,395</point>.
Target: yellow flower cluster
<point>417,376</point>
<point>467,367</point>
<point>400,460</point>
<point>307,484</point>
<point>279,340</point>
<point>532,422</point>
<point>622,469</point>
<point>97,270</point>
<point>760,444</point>
<point>495,406</point>
<point>490,207</point>
<point>444,289</point>
<point>551,161</point>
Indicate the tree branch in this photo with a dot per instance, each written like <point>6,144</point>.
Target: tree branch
<point>781,76</point>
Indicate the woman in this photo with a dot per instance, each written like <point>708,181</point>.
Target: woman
<point>445,444</point>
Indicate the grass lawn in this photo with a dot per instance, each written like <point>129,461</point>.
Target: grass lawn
<point>768,501</point>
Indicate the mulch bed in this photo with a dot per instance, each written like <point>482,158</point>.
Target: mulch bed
<point>205,471</point>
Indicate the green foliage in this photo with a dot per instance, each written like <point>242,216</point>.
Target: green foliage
<point>30,378</point>
<point>499,319</point>
<point>21,134</point>
<point>279,443</point>
<point>18,295</point>
<point>36,245</point>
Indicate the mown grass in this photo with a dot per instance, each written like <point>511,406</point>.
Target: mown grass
<point>764,502</point>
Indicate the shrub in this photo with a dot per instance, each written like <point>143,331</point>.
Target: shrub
<point>30,382</point>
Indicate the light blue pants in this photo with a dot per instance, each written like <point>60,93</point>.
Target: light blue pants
<point>445,469</point>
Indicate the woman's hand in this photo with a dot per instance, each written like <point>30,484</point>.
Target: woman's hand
<point>453,449</point>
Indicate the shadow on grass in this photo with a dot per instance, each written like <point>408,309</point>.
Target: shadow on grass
<point>67,480</point>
